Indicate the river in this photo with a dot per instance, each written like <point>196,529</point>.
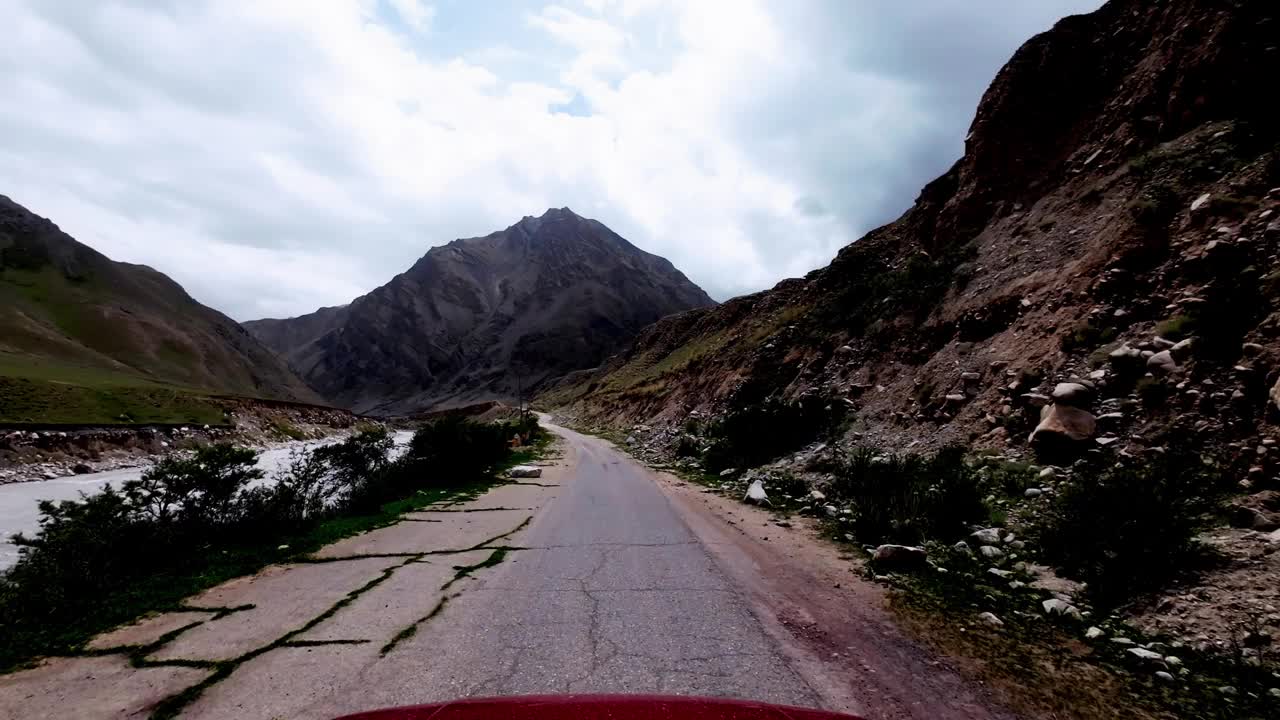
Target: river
<point>19,502</point>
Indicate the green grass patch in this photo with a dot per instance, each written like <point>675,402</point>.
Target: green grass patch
<point>23,400</point>
<point>73,306</point>
<point>38,391</point>
<point>1177,327</point>
<point>287,430</point>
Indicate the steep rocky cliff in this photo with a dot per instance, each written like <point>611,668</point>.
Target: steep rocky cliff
<point>1088,305</point>
<point>485,318</point>
<point>1075,221</point>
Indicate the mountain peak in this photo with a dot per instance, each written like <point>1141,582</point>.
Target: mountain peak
<point>494,317</point>
<point>531,223</point>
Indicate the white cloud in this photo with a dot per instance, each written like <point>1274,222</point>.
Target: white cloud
<point>278,155</point>
<point>416,13</point>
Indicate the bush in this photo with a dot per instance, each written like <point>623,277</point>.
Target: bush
<point>788,485</point>
<point>84,548</point>
<point>287,430</point>
<point>1012,478</point>
<point>201,492</point>
<point>687,446</point>
<point>907,498</point>
<point>455,451</point>
<point>358,460</point>
<point>1126,530</point>
<point>103,543</point>
<point>526,427</point>
<point>869,289</point>
<point>756,434</point>
<point>1155,207</point>
<point>1086,335</point>
<point>1234,303</point>
<point>1176,328</point>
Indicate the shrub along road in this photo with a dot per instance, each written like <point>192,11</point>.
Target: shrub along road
<point>597,577</point>
<point>19,511</point>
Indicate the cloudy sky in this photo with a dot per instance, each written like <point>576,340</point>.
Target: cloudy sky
<point>274,156</point>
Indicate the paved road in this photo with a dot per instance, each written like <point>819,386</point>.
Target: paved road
<point>19,502</point>
<point>613,594</point>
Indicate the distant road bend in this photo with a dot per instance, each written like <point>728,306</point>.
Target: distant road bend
<point>602,576</point>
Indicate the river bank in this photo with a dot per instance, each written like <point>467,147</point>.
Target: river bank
<point>19,502</point>
<point>47,453</point>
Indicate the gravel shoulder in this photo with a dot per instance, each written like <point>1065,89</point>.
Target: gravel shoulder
<point>834,625</point>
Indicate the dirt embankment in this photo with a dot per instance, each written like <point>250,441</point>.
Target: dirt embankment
<point>39,453</point>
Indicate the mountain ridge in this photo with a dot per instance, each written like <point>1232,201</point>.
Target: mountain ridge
<point>484,318</point>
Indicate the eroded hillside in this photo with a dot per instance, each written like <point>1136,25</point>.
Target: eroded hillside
<point>1065,355</point>
<point>1076,221</point>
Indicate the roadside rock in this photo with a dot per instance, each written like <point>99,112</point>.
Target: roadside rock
<point>1062,426</point>
<point>525,471</point>
<point>899,557</point>
<point>1055,606</point>
<point>1035,399</point>
<point>1145,655</point>
<point>1181,350</point>
<point>1126,359</point>
<point>991,619</point>
<point>1162,362</point>
<point>756,494</point>
<point>987,536</point>
<point>1243,516</point>
<point>1073,394</point>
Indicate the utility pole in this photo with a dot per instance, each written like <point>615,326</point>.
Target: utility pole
<point>520,394</point>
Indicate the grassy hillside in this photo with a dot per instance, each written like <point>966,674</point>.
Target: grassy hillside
<point>42,392</point>
<point>85,339</point>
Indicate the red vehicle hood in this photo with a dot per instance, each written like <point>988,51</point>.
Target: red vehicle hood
<point>598,707</point>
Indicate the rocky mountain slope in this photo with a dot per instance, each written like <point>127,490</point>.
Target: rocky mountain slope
<point>1092,288</point>
<point>1118,175</point>
<point>484,318</point>
<point>70,314</point>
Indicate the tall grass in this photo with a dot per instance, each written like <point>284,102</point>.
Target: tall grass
<point>761,432</point>
<point>910,498</point>
<point>1129,529</point>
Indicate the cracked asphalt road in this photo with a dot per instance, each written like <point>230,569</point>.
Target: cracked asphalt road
<point>613,593</point>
